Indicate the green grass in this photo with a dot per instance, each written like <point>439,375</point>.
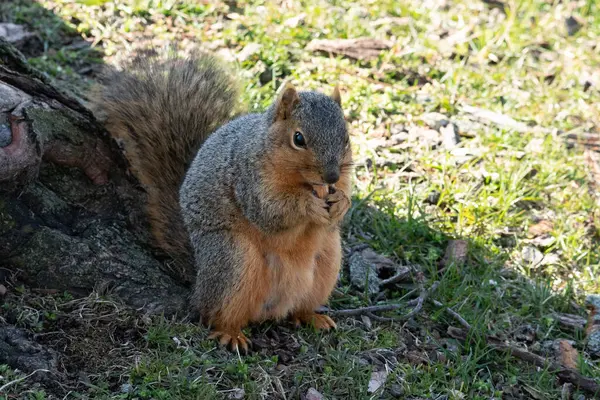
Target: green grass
<point>521,63</point>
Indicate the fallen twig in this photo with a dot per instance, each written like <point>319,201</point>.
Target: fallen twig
<point>369,311</point>
<point>365,310</point>
<point>422,297</point>
<point>564,373</point>
<point>378,318</point>
<point>4,387</point>
<point>454,314</point>
<point>400,276</point>
<point>570,320</point>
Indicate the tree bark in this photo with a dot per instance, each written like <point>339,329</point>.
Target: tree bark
<point>70,216</point>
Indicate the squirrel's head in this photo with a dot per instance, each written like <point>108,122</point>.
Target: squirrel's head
<point>309,136</point>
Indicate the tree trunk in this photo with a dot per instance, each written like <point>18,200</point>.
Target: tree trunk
<point>70,216</point>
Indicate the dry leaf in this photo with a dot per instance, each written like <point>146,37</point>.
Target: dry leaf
<point>567,354</point>
<point>531,256</point>
<point>541,228</point>
<point>313,394</point>
<point>415,357</point>
<point>456,252</point>
<point>377,381</point>
<point>358,49</point>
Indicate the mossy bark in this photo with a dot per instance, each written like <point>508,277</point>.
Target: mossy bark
<point>70,216</point>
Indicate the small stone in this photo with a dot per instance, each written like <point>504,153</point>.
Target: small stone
<point>551,259</point>
<point>435,120</point>
<point>363,274</point>
<point>535,146</point>
<point>313,394</point>
<point>423,98</point>
<point>593,300</point>
<point>10,98</point>
<point>248,51</point>
<point>226,54</point>
<point>126,388</point>
<point>2,290</point>
<point>398,138</point>
<point>494,118</point>
<point>456,252</point>
<point>425,137</point>
<point>551,348</point>
<point>236,394</point>
<point>450,136</point>
<point>367,321</point>
<point>363,362</point>
<point>573,25</point>
<point>542,242</point>
<point>525,333</point>
<point>532,256</point>
<point>266,76</point>
<point>462,154</point>
<point>397,129</point>
<point>566,391</point>
<point>467,128</point>
<point>377,144</point>
<point>295,21</point>
<point>593,328</point>
<point>397,392</point>
<point>433,197</point>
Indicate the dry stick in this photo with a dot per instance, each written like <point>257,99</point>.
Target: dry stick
<point>400,276</point>
<point>422,297</point>
<point>454,314</point>
<point>4,387</point>
<point>364,310</point>
<point>566,374</point>
<point>418,303</point>
<point>570,320</point>
<point>378,318</point>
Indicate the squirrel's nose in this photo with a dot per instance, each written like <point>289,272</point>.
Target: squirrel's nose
<point>331,176</point>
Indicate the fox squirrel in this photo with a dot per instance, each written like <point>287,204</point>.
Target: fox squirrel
<point>256,200</point>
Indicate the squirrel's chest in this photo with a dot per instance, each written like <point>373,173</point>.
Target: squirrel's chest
<point>291,282</point>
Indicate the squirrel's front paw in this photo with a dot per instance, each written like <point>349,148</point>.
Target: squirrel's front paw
<point>319,210</point>
<point>233,340</point>
<point>339,203</point>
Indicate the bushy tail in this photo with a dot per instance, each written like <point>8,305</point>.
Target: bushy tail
<point>162,111</point>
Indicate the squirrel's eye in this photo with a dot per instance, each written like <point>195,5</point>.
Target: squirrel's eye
<point>299,140</point>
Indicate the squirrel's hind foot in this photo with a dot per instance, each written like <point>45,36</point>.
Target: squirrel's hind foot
<point>234,340</point>
<point>318,321</point>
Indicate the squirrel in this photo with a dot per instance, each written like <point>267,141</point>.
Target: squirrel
<point>255,200</point>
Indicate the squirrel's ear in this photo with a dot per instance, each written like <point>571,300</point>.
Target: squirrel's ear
<point>286,101</point>
<point>336,96</point>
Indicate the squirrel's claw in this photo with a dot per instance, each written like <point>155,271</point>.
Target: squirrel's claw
<point>233,341</point>
<point>318,321</point>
